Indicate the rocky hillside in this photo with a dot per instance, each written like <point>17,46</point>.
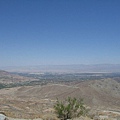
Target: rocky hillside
<point>7,78</point>
<point>96,93</point>
<point>32,101</point>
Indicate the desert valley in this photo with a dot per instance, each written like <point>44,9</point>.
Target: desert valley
<point>33,95</point>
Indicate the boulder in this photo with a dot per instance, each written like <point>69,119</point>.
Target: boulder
<point>2,117</point>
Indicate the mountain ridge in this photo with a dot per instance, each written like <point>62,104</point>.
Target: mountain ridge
<point>80,68</point>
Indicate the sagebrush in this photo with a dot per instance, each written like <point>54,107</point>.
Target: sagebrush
<point>70,108</point>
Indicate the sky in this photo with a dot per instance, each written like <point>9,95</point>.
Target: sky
<point>59,32</point>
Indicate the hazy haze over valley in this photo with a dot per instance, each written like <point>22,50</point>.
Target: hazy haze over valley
<point>93,68</point>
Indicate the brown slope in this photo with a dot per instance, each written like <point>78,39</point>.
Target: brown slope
<point>35,99</point>
<point>7,78</point>
<point>95,93</point>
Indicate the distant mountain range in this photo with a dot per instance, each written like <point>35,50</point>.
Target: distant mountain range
<point>80,68</point>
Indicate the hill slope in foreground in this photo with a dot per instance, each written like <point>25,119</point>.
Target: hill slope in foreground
<point>34,101</point>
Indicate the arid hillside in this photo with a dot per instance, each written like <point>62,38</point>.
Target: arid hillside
<point>7,78</point>
<point>33,95</point>
<point>35,100</point>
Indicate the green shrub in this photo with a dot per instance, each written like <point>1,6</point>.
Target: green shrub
<point>2,86</point>
<point>70,108</point>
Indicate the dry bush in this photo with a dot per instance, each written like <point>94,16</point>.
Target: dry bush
<point>70,108</point>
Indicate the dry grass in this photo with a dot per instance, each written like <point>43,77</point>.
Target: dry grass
<point>49,116</point>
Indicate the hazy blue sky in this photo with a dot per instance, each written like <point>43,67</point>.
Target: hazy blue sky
<point>42,32</point>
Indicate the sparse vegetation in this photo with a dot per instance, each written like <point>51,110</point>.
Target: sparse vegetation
<point>31,95</point>
<point>70,108</point>
<point>49,117</point>
<point>2,86</point>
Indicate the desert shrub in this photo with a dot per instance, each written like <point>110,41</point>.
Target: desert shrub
<point>70,108</point>
<point>2,86</point>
